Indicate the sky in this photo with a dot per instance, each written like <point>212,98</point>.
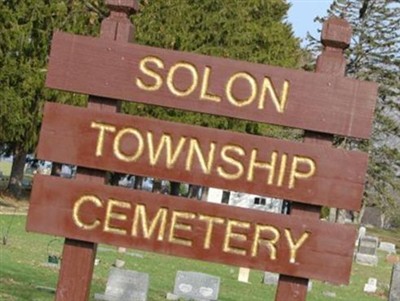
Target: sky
<point>302,14</point>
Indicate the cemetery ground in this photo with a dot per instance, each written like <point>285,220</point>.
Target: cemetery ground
<point>28,272</point>
<point>26,275</point>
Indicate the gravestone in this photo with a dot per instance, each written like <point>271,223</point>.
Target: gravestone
<point>329,294</point>
<point>394,293</point>
<point>125,285</point>
<point>366,253</point>
<point>361,233</point>
<point>195,286</point>
<point>244,274</point>
<point>387,247</point>
<point>370,286</point>
<point>273,278</point>
<point>270,278</point>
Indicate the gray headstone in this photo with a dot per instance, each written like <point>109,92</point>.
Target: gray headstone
<point>196,286</point>
<point>366,253</point>
<point>387,247</point>
<point>125,285</point>
<point>368,245</point>
<point>273,278</point>
<point>270,278</point>
<point>394,293</point>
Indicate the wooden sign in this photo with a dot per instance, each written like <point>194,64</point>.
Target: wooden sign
<point>199,230</point>
<point>310,174</point>
<point>318,102</point>
<point>203,156</point>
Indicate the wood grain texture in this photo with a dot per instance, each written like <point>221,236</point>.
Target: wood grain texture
<point>336,35</point>
<point>317,102</point>
<point>74,283</point>
<point>67,136</point>
<point>325,255</point>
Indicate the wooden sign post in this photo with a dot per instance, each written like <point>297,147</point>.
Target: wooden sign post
<point>336,35</point>
<point>97,139</point>
<point>74,283</point>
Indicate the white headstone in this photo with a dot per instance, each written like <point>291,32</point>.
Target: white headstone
<point>370,286</point>
<point>361,233</point>
<point>387,247</point>
<point>244,274</point>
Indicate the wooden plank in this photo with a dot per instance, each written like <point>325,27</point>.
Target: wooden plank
<point>225,87</point>
<point>203,156</point>
<point>186,228</point>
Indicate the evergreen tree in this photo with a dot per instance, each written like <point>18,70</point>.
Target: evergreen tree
<point>251,30</point>
<point>374,55</point>
<point>25,35</point>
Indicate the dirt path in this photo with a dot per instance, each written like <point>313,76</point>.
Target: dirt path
<point>9,205</point>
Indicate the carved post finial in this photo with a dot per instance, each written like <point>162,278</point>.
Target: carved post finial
<point>335,36</point>
<point>127,6</point>
<point>336,33</point>
<point>118,26</point>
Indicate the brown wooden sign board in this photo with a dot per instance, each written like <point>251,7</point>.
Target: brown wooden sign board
<point>214,158</point>
<point>317,102</point>
<point>199,230</point>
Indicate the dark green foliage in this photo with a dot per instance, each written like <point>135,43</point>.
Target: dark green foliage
<point>374,55</point>
<point>25,35</point>
<point>253,30</point>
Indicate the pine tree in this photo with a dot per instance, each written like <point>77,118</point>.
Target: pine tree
<point>25,35</point>
<point>251,30</point>
<point>374,55</point>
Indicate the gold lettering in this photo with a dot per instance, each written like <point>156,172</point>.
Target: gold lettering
<point>194,147</point>
<point>204,94</point>
<point>269,166</point>
<point>269,243</point>
<point>253,86</point>
<point>280,104</point>
<point>231,161</point>
<point>210,225</point>
<point>229,234</point>
<point>295,246</point>
<point>124,157</point>
<point>295,174</point>
<point>170,79</point>
<point>100,139</point>
<point>77,206</point>
<point>165,140</point>
<point>180,226</point>
<point>282,170</point>
<point>157,78</point>
<point>113,215</point>
<point>141,215</point>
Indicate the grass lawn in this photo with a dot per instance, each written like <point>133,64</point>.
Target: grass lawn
<point>5,168</point>
<point>23,269</point>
